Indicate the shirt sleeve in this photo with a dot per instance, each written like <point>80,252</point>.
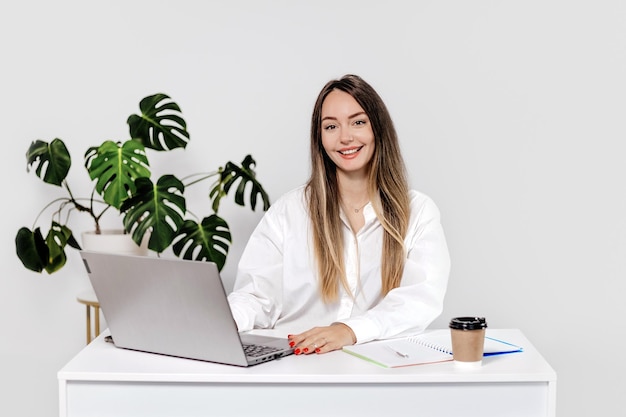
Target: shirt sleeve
<point>411,307</point>
<point>256,299</point>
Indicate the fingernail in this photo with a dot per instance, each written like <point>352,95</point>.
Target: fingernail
<point>306,350</point>
<point>317,350</point>
<point>292,344</point>
<point>297,351</point>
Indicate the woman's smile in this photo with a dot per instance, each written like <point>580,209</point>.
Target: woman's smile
<point>350,153</point>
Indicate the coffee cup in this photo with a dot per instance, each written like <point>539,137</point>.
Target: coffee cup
<point>468,340</point>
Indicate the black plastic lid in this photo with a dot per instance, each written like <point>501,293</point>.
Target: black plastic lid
<point>468,323</point>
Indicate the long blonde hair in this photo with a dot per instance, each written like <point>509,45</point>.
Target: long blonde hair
<point>387,187</point>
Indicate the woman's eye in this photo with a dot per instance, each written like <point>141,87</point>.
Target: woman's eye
<point>329,127</point>
<point>359,122</point>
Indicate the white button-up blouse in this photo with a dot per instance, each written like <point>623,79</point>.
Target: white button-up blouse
<point>277,285</point>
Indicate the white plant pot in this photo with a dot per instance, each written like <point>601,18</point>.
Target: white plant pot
<point>114,241</point>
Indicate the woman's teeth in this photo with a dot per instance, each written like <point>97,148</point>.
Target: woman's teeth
<point>350,152</point>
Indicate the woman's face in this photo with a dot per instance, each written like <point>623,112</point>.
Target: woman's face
<point>347,135</point>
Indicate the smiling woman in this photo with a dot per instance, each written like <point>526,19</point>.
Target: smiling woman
<point>353,255</point>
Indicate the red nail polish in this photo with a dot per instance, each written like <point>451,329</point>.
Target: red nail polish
<point>292,344</point>
<point>317,350</point>
<point>297,351</point>
<point>306,350</point>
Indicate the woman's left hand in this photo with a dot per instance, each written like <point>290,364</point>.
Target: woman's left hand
<point>322,339</point>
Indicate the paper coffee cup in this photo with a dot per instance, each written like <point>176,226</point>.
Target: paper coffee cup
<point>468,340</point>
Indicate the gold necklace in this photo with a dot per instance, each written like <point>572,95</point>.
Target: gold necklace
<point>356,210</point>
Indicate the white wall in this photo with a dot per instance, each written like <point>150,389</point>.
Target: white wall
<point>511,116</point>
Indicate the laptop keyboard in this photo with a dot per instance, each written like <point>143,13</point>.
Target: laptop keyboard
<point>258,350</point>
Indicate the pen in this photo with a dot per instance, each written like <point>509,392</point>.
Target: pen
<point>403,355</point>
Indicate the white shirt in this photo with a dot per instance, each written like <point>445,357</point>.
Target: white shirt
<point>277,286</point>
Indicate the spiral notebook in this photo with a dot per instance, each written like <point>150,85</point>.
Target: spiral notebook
<point>431,347</point>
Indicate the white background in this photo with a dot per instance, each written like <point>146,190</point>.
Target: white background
<point>510,113</point>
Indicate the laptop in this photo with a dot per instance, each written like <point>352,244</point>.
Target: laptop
<point>173,307</point>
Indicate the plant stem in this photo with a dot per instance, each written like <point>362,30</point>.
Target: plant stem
<point>203,176</point>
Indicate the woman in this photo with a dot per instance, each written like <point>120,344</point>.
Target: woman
<point>353,255</point>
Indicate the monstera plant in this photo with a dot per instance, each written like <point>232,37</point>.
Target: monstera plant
<point>121,178</point>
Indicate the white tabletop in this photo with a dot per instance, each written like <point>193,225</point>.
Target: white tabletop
<point>102,361</point>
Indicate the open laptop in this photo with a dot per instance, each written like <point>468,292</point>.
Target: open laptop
<point>173,307</point>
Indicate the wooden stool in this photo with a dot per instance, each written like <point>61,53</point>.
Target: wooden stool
<point>89,299</point>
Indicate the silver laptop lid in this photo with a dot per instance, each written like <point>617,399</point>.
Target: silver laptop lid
<point>168,306</point>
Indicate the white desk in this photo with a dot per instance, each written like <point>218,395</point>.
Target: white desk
<point>103,380</point>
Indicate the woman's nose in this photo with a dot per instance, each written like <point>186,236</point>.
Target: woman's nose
<point>346,136</point>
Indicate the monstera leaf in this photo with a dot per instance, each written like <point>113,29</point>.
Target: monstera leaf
<point>38,254</point>
<point>116,168</point>
<point>209,240</point>
<point>245,175</point>
<point>160,125</point>
<point>52,160</point>
<point>156,208</point>
<point>58,237</point>
<point>31,249</point>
